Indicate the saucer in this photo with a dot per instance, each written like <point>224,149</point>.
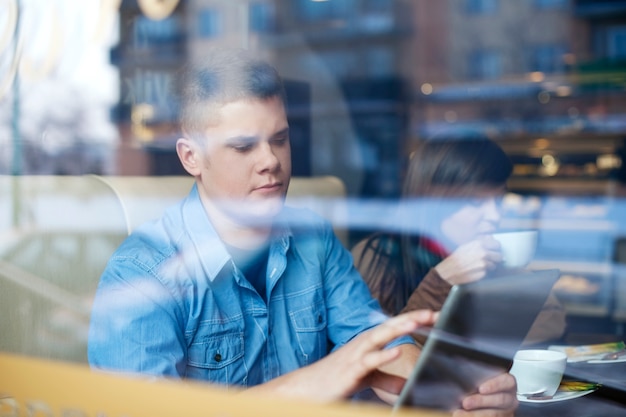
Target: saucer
<point>559,396</point>
<point>592,353</point>
<point>618,360</point>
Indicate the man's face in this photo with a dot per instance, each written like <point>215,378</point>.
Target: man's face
<point>246,166</point>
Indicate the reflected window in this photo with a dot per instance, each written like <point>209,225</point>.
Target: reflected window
<point>616,42</point>
<point>341,63</point>
<point>88,87</point>
<point>209,23</point>
<point>551,4</point>
<point>376,16</point>
<point>548,58</point>
<point>485,65</point>
<point>609,41</point>
<point>379,61</point>
<point>316,11</point>
<point>377,6</point>
<point>481,6</point>
<point>153,33</point>
<point>261,17</point>
<point>305,63</point>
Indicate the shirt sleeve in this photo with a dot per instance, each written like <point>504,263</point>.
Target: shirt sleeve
<point>134,325</point>
<point>430,294</point>
<point>351,308</point>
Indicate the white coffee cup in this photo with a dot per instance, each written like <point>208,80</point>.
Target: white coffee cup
<point>538,371</point>
<point>518,248</point>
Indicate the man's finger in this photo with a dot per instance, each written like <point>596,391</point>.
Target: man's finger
<point>397,326</point>
<point>386,382</point>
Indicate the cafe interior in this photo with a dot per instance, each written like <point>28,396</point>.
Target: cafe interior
<point>88,125</point>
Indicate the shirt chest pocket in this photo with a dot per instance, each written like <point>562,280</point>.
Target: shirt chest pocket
<point>309,324</point>
<point>218,357</point>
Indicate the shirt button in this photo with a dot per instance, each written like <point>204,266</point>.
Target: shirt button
<point>217,357</point>
<point>319,318</point>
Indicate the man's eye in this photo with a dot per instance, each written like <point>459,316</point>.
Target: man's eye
<point>242,148</point>
<point>281,140</point>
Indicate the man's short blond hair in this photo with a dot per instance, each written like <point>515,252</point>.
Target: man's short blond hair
<point>220,77</point>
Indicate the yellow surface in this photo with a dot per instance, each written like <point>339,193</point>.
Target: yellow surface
<point>36,387</point>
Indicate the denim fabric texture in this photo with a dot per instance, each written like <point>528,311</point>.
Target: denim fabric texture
<point>172,303</point>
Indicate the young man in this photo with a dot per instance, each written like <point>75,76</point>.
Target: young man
<point>232,287</point>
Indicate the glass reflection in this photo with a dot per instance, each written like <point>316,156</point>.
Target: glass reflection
<point>88,122</point>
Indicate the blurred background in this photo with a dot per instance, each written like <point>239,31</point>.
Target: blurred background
<point>88,88</point>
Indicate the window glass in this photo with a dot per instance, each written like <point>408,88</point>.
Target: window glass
<point>153,33</point>
<point>341,63</point>
<point>617,42</point>
<point>481,6</point>
<point>261,17</point>
<point>548,58</point>
<point>485,64</point>
<point>209,23</point>
<point>311,11</point>
<point>379,61</point>
<point>380,6</point>
<point>551,4</point>
<point>90,107</point>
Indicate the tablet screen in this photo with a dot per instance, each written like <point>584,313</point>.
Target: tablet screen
<point>480,327</point>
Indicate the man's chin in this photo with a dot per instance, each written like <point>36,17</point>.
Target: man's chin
<point>257,214</point>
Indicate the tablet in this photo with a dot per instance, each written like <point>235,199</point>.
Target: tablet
<point>481,326</point>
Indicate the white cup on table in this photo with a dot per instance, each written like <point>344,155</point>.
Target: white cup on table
<point>538,371</point>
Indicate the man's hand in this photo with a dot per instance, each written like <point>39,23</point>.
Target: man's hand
<point>364,362</point>
<point>496,398</point>
<point>354,366</point>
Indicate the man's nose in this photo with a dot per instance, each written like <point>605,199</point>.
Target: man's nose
<point>267,158</point>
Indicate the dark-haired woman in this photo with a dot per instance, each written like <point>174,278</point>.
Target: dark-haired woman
<point>449,211</point>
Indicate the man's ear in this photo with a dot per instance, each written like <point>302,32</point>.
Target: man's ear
<point>189,154</point>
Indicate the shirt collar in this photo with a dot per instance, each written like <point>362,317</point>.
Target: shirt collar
<point>207,245</point>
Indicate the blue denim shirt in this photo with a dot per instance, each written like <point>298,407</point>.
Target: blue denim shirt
<point>172,303</point>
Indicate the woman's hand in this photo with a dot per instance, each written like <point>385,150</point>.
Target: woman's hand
<point>470,261</point>
<point>496,397</point>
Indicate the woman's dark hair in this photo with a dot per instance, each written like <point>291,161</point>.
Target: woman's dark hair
<point>439,169</point>
<point>455,167</point>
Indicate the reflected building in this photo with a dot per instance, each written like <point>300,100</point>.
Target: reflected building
<point>539,76</point>
<point>371,77</point>
<point>348,106</point>
<point>148,54</point>
<point>366,80</point>
<point>56,89</point>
